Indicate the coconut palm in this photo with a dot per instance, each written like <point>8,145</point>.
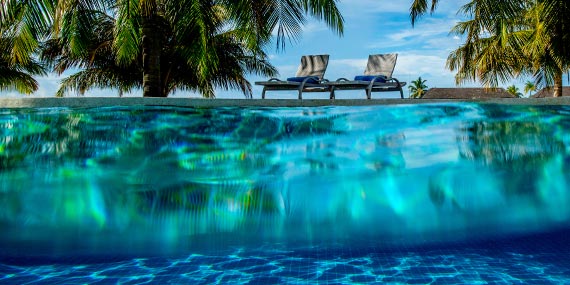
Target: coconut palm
<point>550,41</point>
<point>254,22</point>
<point>179,69</point>
<point>492,51</point>
<point>513,90</point>
<point>417,88</point>
<point>529,87</point>
<point>506,39</point>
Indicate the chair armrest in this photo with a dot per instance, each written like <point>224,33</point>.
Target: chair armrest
<point>379,77</point>
<point>394,79</point>
<point>274,79</point>
<point>342,79</point>
<point>302,86</point>
<point>316,78</point>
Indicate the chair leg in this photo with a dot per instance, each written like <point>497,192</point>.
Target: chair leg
<point>368,93</point>
<point>332,93</point>
<point>401,93</point>
<point>263,93</point>
<point>300,94</point>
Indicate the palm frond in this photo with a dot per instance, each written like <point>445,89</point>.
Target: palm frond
<point>327,11</point>
<point>89,78</point>
<point>127,39</point>
<point>13,79</point>
<point>418,9</point>
<point>26,23</point>
<point>284,17</point>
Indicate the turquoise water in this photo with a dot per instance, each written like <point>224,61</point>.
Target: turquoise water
<point>431,193</point>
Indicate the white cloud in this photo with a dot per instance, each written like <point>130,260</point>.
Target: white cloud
<point>411,63</point>
<point>431,27</point>
<point>430,34</point>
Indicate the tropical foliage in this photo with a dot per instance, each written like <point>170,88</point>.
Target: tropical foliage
<point>16,74</point>
<point>17,66</point>
<point>178,61</point>
<point>254,22</point>
<point>529,87</point>
<point>420,7</point>
<point>417,88</point>
<point>507,39</point>
<point>159,45</point>
<point>513,90</point>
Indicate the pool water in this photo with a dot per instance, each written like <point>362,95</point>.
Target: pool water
<point>413,194</point>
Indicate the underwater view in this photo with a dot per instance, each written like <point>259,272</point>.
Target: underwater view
<point>450,193</point>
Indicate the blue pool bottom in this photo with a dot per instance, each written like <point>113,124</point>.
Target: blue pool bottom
<point>535,259</point>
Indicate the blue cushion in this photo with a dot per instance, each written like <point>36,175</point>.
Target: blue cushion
<point>312,79</point>
<point>382,78</point>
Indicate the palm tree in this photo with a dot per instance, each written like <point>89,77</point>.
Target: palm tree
<point>254,21</point>
<point>417,88</point>
<point>498,44</point>
<point>550,42</point>
<point>179,69</point>
<point>492,51</point>
<point>514,91</point>
<point>529,87</point>
<point>506,39</point>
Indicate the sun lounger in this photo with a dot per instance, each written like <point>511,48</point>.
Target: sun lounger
<point>377,77</point>
<point>309,77</point>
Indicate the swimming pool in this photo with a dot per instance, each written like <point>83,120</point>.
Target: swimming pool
<point>432,193</point>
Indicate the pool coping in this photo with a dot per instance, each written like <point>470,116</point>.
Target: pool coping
<point>90,102</point>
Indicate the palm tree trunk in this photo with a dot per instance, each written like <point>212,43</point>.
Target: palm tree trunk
<point>558,84</point>
<point>151,49</point>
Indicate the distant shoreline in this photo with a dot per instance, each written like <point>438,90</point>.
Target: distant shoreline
<point>92,102</point>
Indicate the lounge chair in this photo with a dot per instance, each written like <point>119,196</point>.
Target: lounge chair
<point>377,77</point>
<point>309,77</point>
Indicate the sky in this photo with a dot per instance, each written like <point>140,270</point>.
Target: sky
<point>371,27</point>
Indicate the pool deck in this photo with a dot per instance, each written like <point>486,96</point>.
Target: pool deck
<point>90,102</point>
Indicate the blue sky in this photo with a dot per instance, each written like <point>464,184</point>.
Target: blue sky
<point>371,27</point>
